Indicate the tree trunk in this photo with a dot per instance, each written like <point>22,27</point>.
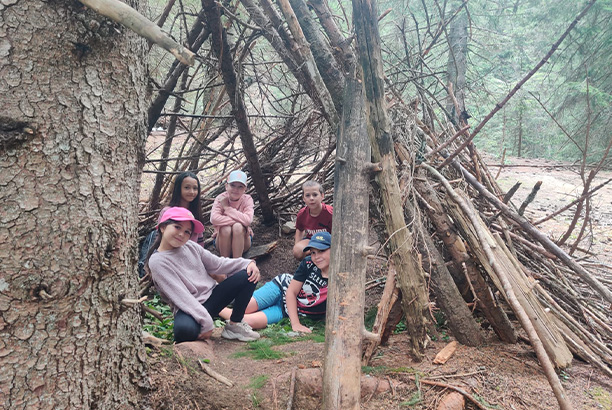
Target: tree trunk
<point>346,292</point>
<point>409,275</point>
<point>73,128</point>
<point>223,53</point>
<point>457,65</point>
<point>457,249</point>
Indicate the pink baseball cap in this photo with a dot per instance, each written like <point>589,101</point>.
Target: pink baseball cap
<point>180,214</point>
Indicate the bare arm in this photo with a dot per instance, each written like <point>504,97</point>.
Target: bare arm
<point>299,235</point>
<point>292,292</point>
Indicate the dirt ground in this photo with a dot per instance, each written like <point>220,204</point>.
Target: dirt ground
<point>500,376</point>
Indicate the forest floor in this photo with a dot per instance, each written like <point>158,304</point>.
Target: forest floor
<point>499,375</point>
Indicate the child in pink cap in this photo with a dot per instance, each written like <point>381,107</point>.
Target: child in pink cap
<point>181,271</point>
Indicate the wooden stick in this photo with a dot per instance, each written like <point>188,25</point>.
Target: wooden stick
<point>214,374</point>
<point>384,307</point>
<point>292,389</point>
<point>525,321</point>
<point>153,312</point>
<point>130,18</point>
<point>530,197</point>
<point>574,202</point>
<point>450,386</point>
<point>536,234</point>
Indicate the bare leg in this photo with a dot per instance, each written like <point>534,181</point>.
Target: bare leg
<point>251,308</point>
<point>238,233</point>
<point>224,241</point>
<point>247,240</point>
<point>257,320</point>
<point>298,249</point>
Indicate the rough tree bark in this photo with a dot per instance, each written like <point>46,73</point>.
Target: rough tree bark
<point>458,252</point>
<point>72,128</point>
<point>346,297</point>
<point>409,275</point>
<point>460,319</point>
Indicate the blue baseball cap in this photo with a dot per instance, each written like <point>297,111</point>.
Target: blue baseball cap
<point>320,241</point>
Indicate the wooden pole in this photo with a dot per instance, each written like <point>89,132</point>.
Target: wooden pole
<point>410,276</point>
<point>346,288</point>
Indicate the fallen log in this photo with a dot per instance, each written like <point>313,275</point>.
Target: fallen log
<point>256,252</point>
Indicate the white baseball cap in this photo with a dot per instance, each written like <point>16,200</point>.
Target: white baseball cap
<point>237,176</point>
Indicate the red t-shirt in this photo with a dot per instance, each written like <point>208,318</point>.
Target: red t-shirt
<point>311,225</point>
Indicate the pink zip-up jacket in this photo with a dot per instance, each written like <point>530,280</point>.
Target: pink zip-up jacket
<point>240,211</point>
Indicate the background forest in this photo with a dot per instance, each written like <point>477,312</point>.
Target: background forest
<point>562,112</point>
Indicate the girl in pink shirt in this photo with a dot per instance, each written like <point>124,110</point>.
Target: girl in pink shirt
<point>231,216</point>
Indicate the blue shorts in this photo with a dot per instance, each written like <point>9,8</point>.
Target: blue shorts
<point>269,300</point>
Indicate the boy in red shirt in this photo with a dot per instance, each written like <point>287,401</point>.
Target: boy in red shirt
<point>313,218</point>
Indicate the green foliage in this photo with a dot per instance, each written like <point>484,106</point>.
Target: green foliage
<point>373,370</point>
<point>370,317</point>
<point>257,382</point>
<point>163,329</point>
<point>485,403</point>
<point>255,400</point>
<point>401,327</point>
<point>417,396</point>
<point>414,399</point>
<point>440,317</point>
<point>279,334</point>
<point>282,333</point>
<point>602,397</point>
<point>260,350</point>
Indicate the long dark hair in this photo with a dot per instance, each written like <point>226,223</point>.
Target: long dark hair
<point>158,239</point>
<point>194,206</point>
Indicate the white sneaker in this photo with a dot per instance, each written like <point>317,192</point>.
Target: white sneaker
<point>241,331</point>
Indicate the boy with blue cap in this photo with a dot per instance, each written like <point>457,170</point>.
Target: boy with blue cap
<point>302,294</point>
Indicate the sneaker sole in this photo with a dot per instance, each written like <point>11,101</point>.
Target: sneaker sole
<point>228,334</point>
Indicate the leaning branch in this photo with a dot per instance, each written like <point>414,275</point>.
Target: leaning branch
<point>522,316</point>
<point>535,233</point>
<point>124,14</point>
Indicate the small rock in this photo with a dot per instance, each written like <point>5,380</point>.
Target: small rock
<point>288,227</point>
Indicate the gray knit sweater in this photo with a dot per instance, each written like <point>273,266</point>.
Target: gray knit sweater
<point>182,278</point>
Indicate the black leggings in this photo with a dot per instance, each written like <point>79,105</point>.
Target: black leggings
<point>236,288</point>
